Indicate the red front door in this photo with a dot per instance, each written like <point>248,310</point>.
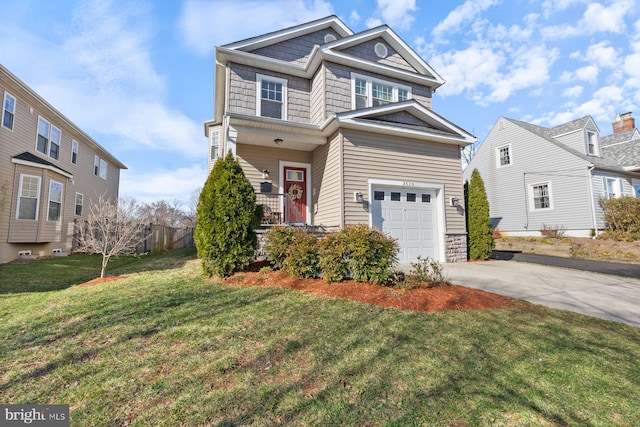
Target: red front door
<point>295,185</point>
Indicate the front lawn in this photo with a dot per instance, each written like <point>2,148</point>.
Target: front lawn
<point>166,346</point>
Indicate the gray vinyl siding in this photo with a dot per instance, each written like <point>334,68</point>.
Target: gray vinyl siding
<point>372,156</point>
<point>534,161</point>
<point>327,188</point>
<point>254,158</point>
<point>578,140</point>
<point>296,50</point>
<point>393,58</point>
<point>41,236</point>
<point>338,84</point>
<point>243,92</point>
<point>318,114</point>
<point>598,182</point>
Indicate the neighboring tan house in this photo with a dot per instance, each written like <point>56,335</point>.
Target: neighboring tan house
<point>538,177</point>
<point>335,128</point>
<point>50,171</point>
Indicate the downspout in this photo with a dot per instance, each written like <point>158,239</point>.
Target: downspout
<point>591,200</point>
<point>526,200</point>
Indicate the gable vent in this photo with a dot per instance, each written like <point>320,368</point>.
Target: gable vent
<point>380,50</point>
<point>328,38</point>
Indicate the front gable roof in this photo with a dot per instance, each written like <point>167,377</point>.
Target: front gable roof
<point>408,118</point>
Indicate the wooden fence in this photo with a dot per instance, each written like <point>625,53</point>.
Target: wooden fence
<point>159,238</point>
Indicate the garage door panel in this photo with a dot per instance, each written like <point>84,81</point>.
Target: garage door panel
<point>409,218</point>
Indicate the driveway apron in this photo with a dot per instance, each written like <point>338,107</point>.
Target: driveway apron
<point>599,295</point>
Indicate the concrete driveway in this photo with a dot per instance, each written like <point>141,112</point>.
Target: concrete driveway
<point>599,295</point>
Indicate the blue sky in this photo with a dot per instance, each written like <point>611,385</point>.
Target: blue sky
<point>137,75</point>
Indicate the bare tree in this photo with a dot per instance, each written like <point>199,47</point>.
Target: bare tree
<point>467,153</point>
<point>111,228</point>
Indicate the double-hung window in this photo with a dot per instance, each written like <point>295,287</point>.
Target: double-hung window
<point>272,97</point>
<point>74,151</point>
<point>541,195</point>
<point>29,195</point>
<point>79,200</point>
<point>612,188</point>
<point>215,144</point>
<point>8,110</point>
<point>96,165</point>
<point>42,143</point>
<point>54,148</point>
<point>592,144</point>
<point>503,155</point>
<point>103,168</point>
<point>370,92</point>
<point>55,201</point>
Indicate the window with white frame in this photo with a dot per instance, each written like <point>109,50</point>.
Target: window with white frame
<point>103,168</point>
<point>592,143</point>
<point>215,144</point>
<point>96,165</point>
<point>74,151</point>
<point>8,110</point>
<point>54,147</point>
<point>272,97</point>
<point>541,196</point>
<point>55,201</point>
<point>503,155</point>
<point>612,188</point>
<point>28,197</point>
<point>42,142</point>
<point>79,203</point>
<point>370,92</point>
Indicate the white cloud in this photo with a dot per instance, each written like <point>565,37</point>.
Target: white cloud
<point>587,74</point>
<point>552,6</point>
<point>373,22</point>
<point>596,18</point>
<point>603,55</point>
<point>162,184</point>
<point>463,14</point>
<point>396,13</point>
<point>201,30</point>
<point>354,18</point>
<point>572,92</point>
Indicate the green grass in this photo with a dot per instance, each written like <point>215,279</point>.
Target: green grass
<point>168,347</point>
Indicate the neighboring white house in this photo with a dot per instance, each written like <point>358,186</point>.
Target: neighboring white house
<point>335,128</point>
<point>538,177</point>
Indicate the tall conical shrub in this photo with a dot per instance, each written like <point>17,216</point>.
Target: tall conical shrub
<point>226,221</point>
<point>480,235</point>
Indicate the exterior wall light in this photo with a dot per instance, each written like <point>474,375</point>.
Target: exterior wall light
<point>278,141</point>
<point>357,197</point>
<point>265,173</point>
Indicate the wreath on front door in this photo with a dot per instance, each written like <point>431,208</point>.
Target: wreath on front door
<point>295,191</point>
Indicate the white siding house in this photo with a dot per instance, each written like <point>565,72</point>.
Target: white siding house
<point>538,177</point>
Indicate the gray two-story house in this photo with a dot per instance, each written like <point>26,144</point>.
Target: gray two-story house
<point>538,177</point>
<point>335,128</point>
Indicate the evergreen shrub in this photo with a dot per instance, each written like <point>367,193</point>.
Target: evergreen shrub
<point>480,241</point>
<point>227,216</point>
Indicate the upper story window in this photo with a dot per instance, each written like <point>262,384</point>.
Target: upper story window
<point>48,139</point>
<point>370,92</point>
<point>103,168</point>
<point>42,143</point>
<point>55,201</point>
<point>215,144</point>
<point>541,195</point>
<point>74,151</point>
<point>28,197</point>
<point>272,97</point>
<point>8,110</point>
<point>96,165</point>
<point>592,144</point>
<point>503,155</point>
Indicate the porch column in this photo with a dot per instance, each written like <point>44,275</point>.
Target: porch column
<point>231,141</point>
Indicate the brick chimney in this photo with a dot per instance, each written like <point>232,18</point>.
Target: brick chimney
<point>623,123</point>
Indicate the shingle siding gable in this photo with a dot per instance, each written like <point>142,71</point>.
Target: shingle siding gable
<point>296,50</point>
<point>366,51</point>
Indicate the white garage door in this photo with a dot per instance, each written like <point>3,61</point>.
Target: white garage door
<point>408,216</point>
